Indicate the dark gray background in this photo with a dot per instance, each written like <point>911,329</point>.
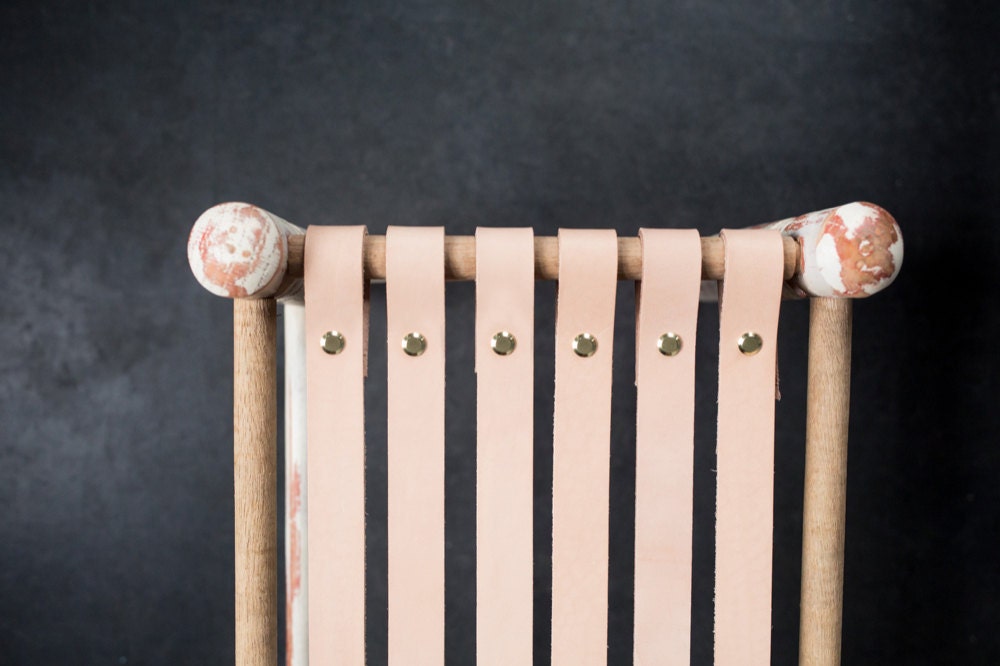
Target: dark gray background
<point>122,121</point>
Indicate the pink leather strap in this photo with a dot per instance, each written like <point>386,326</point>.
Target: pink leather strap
<point>750,300</point>
<point>505,304</point>
<point>335,301</point>
<point>667,305</point>
<point>414,258</point>
<point>588,274</point>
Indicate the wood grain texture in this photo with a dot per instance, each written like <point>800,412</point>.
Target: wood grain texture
<point>255,421</point>
<point>823,516</point>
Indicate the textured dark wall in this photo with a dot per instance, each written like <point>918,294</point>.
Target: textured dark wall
<point>122,121</point>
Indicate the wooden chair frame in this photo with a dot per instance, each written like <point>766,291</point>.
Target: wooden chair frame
<point>254,257</point>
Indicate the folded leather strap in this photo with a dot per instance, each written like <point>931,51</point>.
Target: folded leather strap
<point>588,274</point>
<point>750,300</point>
<point>335,302</point>
<point>505,305</point>
<point>414,276</point>
<point>667,303</point>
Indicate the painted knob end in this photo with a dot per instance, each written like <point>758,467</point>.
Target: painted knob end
<point>851,251</point>
<point>238,250</point>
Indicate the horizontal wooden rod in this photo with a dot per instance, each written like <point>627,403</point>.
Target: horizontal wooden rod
<point>460,257</point>
<point>238,250</point>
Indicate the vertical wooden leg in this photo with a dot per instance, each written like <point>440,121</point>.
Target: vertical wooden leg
<point>254,469</point>
<point>825,481</point>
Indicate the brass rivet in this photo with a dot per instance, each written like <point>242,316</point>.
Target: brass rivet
<point>332,342</point>
<point>750,343</point>
<point>503,343</point>
<point>414,344</point>
<point>585,345</point>
<point>669,344</point>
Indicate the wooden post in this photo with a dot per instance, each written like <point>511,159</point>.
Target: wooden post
<point>823,512</point>
<point>255,421</point>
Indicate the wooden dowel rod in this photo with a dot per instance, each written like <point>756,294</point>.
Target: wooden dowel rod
<point>823,514</point>
<point>255,419</point>
<point>460,257</point>
<point>238,250</point>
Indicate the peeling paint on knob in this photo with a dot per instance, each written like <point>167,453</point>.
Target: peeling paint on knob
<point>853,250</point>
<point>238,250</point>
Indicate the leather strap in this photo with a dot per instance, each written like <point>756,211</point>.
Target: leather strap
<point>588,274</point>
<point>335,301</point>
<point>505,303</point>
<point>667,302</point>
<point>414,258</point>
<point>749,300</point>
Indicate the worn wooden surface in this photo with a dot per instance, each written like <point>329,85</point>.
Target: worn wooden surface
<point>824,505</point>
<point>255,421</point>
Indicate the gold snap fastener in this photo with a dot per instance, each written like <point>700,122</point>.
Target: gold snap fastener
<point>332,342</point>
<point>503,343</point>
<point>585,345</point>
<point>669,344</point>
<point>750,343</point>
<point>414,344</point>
